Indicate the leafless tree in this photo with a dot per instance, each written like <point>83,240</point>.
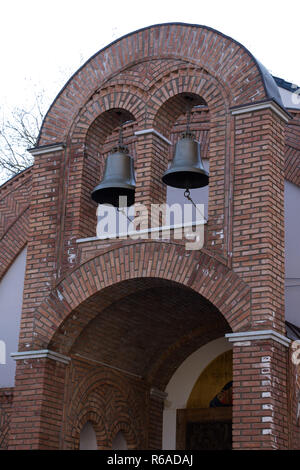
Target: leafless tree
<point>19,130</point>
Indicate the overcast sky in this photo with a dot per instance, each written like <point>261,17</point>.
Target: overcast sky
<point>44,42</point>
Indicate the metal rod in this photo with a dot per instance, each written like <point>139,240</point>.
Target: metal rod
<point>187,195</point>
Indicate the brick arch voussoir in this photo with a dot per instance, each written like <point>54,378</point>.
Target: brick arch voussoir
<point>216,95</point>
<point>198,271</point>
<point>123,424</point>
<point>124,96</point>
<point>208,48</point>
<point>88,413</point>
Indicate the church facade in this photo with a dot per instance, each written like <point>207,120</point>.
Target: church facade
<point>148,341</point>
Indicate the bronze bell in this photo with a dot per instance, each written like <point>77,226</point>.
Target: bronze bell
<point>186,170</point>
<point>118,179</point>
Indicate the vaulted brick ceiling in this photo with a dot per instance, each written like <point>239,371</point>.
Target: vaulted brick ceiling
<point>149,332</point>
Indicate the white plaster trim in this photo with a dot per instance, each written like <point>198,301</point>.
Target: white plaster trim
<point>145,231</point>
<point>46,149</point>
<point>258,335</point>
<point>40,354</point>
<point>155,132</point>
<point>259,106</point>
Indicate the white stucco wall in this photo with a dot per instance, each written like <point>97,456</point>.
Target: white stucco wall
<point>11,296</point>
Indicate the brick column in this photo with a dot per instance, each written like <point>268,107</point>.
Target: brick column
<point>41,261</point>
<point>37,411</point>
<point>155,426</point>
<point>152,161</point>
<point>260,395</point>
<point>258,211</point>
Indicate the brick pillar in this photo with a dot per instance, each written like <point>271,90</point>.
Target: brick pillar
<point>41,261</point>
<point>155,425</point>
<point>260,396</point>
<point>37,411</point>
<point>152,161</point>
<point>258,211</point>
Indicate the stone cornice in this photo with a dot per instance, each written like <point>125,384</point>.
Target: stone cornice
<point>155,132</point>
<point>41,354</point>
<point>158,394</point>
<point>249,108</point>
<point>46,149</point>
<point>258,335</point>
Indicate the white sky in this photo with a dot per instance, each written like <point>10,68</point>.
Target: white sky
<point>44,42</point>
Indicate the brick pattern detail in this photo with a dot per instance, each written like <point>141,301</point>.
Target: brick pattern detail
<point>6,398</point>
<point>292,150</point>
<point>103,396</point>
<point>14,218</point>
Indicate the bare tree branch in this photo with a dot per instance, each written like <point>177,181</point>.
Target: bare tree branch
<point>18,132</point>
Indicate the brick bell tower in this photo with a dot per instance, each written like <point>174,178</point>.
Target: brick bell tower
<point>106,323</point>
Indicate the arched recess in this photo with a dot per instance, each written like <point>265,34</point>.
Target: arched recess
<point>136,262</point>
<point>119,442</point>
<point>88,439</point>
<point>104,400</point>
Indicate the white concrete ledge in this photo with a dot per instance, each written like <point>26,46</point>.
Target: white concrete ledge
<point>46,149</point>
<point>135,233</point>
<point>155,132</point>
<point>258,335</point>
<point>158,394</point>
<point>259,106</point>
<point>41,354</point>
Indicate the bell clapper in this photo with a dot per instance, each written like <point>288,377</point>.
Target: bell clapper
<point>187,195</point>
<point>122,211</point>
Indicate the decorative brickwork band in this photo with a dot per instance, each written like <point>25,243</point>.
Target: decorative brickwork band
<point>258,335</point>
<point>43,353</point>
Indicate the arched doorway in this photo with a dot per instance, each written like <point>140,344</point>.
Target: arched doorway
<point>192,408</point>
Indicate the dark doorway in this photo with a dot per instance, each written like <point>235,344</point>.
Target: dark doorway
<point>204,429</point>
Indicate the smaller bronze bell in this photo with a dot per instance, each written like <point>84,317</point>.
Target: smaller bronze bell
<point>186,170</point>
<point>118,179</point>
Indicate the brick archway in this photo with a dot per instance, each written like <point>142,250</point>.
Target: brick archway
<point>106,273</point>
<point>204,46</point>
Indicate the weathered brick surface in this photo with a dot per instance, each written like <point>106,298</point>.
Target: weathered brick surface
<point>260,412</point>
<point>104,299</point>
